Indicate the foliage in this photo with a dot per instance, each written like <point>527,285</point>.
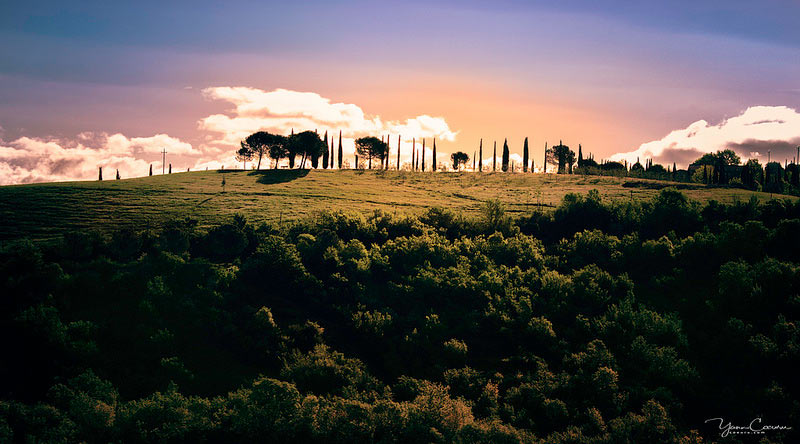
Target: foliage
<point>459,158</point>
<point>604,321</point>
<point>372,148</point>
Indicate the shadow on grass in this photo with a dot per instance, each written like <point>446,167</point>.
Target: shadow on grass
<point>269,177</point>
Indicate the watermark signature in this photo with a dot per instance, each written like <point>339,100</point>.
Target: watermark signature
<point>755,427</point>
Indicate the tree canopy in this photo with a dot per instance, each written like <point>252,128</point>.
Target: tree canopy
<point>724,157</point>
<point>459,159</point>
<point>372,148</point>
<point>306,144</point>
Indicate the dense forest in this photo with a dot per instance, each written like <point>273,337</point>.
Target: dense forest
<point>599,322</point>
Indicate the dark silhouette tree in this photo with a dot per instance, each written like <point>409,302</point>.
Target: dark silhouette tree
<point>725,157</point>
<point>259,144</point>
<point>340,150</point>
<point>506,155</point>
<point>480,156</point>
<point>414,154</point>
<point>434,154</point>
<point>279,148</point>
<point>388,152</point>
<point>100,174</point>
<point>459,158</point>
<point>563,157</point>
<point>306,144</point>
<point>753,174</point>
<point>326,154</point>
<point>289,153</point>
<point>398,152</point>
<point>117,173</point>
<point>494,157</point>
<point>331,153</point>
<point>525,159</point>
<point>244,155</point>
<point>546,158</point>
<point>580,156</point>
<point>151,169</point>
<point>792,173</point>
<point>371,148</point>
<point>423,155</point>
<point>170,168</point>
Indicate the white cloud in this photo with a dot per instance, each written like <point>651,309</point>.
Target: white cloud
<point>282,110</point>
<point>32,159</point>
<point>750,134</point>
<point>27,160</point>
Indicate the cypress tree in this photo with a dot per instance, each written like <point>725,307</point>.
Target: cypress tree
<point>580,155</point>
<point>117,173</point>
<point>386,155</point>
<point>423,155</point>
<point>100,174</point>
<point>434,154</point>
<point>170,168</point>
<point>151,169</point>
<point>325,156</point>
<point>505,155</point>
<point>480,156</point>
<point>355,165</point>
<point>525,156</point>
<point>291,154</point>
<point>340,149</point>
<point>544,164</point>
<point>494,157</point>
<point>414,157</point>
<point>398,152</point>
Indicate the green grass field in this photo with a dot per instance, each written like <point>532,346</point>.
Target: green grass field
<point>45,211</point>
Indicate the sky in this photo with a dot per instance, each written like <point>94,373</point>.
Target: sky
<point>86,84</point>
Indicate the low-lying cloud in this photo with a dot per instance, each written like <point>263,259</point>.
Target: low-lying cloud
<point>28,160</point>
<point>759,132</point>
<point>281,111</point>
<point>31,159</point>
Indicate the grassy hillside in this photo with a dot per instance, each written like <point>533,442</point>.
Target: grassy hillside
<point>44,211</point>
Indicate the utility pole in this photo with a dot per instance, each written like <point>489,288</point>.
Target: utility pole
<point>163,159</point>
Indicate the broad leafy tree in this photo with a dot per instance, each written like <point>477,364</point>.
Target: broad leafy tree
<point>459,158</point>
<point>371,148</point>
<point>306,144</point>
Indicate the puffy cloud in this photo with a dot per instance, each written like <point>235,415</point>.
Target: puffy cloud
<point>282,110</point>
<point>28,160</point>
<point>753,133</point>
<point>31,159</point>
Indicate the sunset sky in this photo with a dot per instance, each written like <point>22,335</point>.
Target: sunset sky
<point>89,83</point>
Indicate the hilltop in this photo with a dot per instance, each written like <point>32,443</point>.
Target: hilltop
<point>45,211</point>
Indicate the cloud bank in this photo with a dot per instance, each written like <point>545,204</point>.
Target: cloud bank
<point>28,160</point>
<point>752,134</point>
<point>31,159</point>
